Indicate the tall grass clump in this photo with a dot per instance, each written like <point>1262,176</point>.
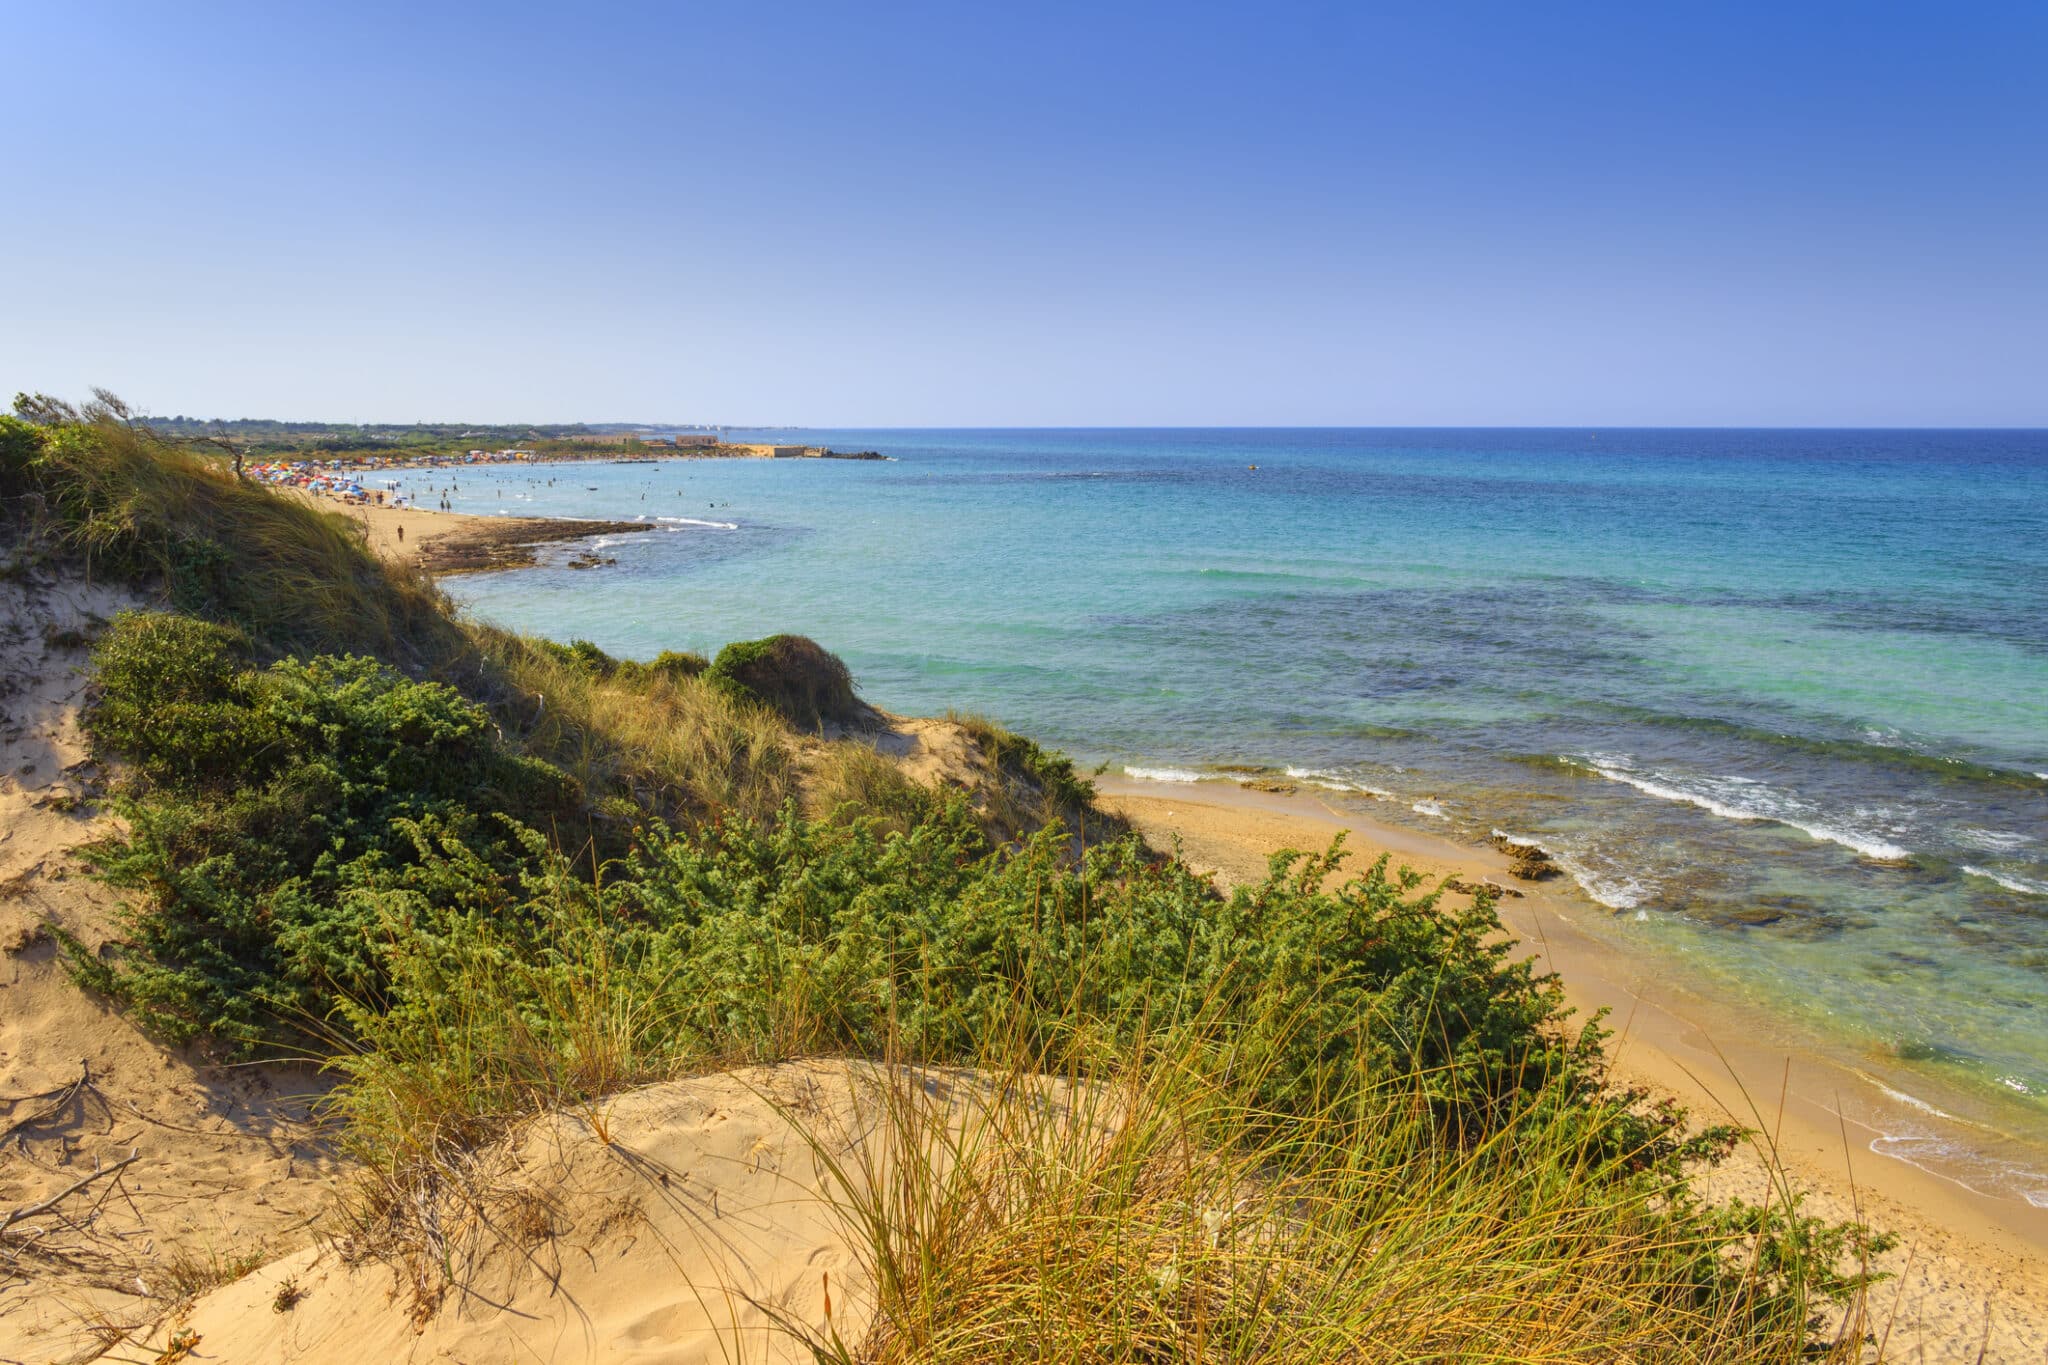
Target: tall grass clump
<point>656,738</point>
<point>1047,1207</point>
<point>129,506</point>
<point>849,780</point>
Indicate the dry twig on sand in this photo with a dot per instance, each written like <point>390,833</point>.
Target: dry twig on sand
<point>48,1205</point>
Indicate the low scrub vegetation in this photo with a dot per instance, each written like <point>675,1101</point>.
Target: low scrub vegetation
<point>283,819</point>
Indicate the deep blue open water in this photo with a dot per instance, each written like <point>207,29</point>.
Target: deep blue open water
<point>1778,699</point>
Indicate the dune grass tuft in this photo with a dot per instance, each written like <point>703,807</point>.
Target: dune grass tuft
<point>657,737</point>
<point>1150,1210</point>
<point>130,506</point>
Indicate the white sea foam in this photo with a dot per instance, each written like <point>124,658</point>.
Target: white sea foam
<point>699,521</point>
<point>2023,885</point>
<point>1616,891</point>
<point>1431,809</point>
<point>1743,798</point>
<point>1162,774</point>
<point>1903,1098</point>
<point>1993,840</point>
<point>1329,781</point>
<point>1959,1166</point>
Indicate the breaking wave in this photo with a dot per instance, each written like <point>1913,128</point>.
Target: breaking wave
<point>1329,781</point>
<point>1613,889</point>
<point>1744,798</point>
<point>2024,885</point>
<point>1163,774</point>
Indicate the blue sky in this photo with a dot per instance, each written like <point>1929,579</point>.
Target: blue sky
<point>949,214</point>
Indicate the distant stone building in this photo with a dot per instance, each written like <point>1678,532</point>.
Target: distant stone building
<point>771,452</point>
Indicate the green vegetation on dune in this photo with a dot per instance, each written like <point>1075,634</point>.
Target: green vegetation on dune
<point>482,875</point>
<point>127,506</point>
<point>277,815</point>
<point>1023,761</point>
<point>791,675</point>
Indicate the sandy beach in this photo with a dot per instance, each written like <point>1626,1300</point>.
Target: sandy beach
<point>1969,1278</point>
<point>461,542</point>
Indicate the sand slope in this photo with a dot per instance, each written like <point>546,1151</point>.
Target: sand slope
<point>225,1164</point>
<point>693,1230</point>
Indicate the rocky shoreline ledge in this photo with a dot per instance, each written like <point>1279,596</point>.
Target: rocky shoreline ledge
<point>481,545</point>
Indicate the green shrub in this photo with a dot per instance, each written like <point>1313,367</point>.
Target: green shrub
<point>592,659</point>
<point>174,694</point>
<point>792,675</point>
<point>850,936</point>
<point>673,664</point>
<point>283,816</point>
<point>18,447</point>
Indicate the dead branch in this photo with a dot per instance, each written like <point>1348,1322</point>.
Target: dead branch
<point>31,1210</point>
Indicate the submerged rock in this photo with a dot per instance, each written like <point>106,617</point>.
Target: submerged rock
<point>1526,860</point>
<point>1479,888</point>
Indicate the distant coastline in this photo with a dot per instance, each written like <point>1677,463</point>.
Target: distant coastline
<point>338,476</point>
<point>459,543</point>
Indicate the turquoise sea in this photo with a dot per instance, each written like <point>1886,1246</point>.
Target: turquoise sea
<point>1777,699</point>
